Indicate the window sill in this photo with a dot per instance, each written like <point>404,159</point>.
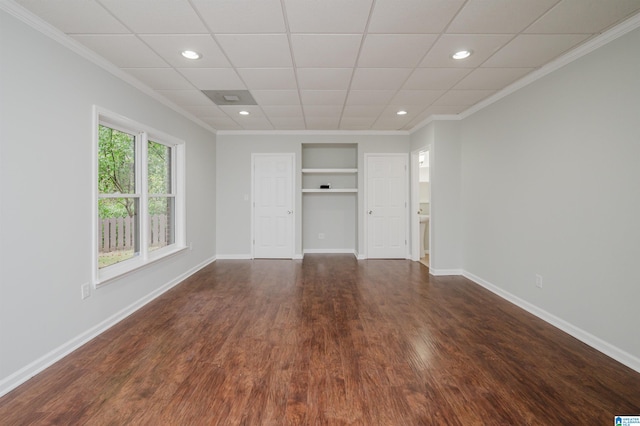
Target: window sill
<point>132,265</point>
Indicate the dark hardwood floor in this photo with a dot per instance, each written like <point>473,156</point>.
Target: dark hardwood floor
<point>328,340</point>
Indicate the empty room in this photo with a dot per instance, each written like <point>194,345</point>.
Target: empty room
<point>367,212</point>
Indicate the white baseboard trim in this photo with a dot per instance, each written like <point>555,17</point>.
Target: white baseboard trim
<point>444,272</point>
<point>361,256</point>
<point>329,251</point>
<point>234,257</point>
<point>585,337</point>
<point>25,373</point>
<point>297,256</point>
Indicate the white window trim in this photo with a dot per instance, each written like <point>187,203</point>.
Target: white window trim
<point>143,133</point>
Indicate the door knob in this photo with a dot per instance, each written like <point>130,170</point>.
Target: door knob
<point>370,211</point>
<point>289,211</point>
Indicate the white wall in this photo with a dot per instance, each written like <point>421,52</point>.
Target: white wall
<point>551,186</point>
<point>46,98</point>
<point>233,165</point>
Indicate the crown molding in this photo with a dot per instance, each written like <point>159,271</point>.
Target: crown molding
<point>315,132</point>
<point>432,118</point>
<point>595,43</point>
<point>580,51</point>
<point>37,23</point>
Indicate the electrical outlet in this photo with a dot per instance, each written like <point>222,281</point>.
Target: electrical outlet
<point>85,291</point>
<point>538,281</point>
<point>321,236</point>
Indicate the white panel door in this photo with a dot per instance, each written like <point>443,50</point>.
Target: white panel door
<point>273,196</point>
<point>386,206</point>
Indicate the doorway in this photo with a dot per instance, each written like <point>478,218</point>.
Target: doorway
<point>272,202</point>
<point>421,205</point>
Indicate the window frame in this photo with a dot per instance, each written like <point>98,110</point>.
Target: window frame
<point>143,134</point>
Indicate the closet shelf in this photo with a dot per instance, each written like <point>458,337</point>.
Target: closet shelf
<point>330,190</point>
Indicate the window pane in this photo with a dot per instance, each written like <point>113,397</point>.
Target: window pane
<point>116,161</point>
<point>161,222</point>
<point>118,225</point>
<point>159,168</point>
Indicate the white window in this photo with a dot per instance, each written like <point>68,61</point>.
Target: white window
<point>139,202</point>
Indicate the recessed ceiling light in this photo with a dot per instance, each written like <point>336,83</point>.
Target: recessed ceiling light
<point>244,113</point>
<point>401,112</point>
<point>462,54</point>
<point>191,54</point>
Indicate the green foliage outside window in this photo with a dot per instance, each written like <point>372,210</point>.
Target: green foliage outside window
<point>116,173</point>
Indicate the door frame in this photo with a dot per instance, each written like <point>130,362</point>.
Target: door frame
<point>406,200</point>
<point>292,157</point>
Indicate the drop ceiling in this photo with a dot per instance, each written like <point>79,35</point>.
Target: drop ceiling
<point>330,64</point>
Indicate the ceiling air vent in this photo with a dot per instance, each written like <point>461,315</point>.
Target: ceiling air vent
<point>230,97</point>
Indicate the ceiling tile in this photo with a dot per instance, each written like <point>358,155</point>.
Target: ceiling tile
<point>390,113</point>
<point>583,16</point>
<point>253,50</point>
<point>281,111</point>
<point>323,97</point>
<point>379,78</point>
<point>276,97</point>
<point>394,50</point>
<point>322,110</point>
<point>213,78</point>
<point>322,123</point>
<point>268,78</point>
<point>498,16</point>
<point>357,123</point>
<point>324,78</point>
<point>412,16</point>
<point>222,123</point>
<point>160,78</point>
<point>206,111</point>
<point>325,50</point>
<point>245,16</point>
<point>288,123</point>
<point>435,78</point>
<point>369,97</point>
<point>125,51</point>
<point>169,47</point>
<point>390,123</point>
<point>482,46</point>
<point>186,97</point>
<point>157,16</point>
<point>416,97</point>
<point>463,97</point>
<point>245,45</point>
<point>491,78</point>
<point>327,16</point>
<point>88,17</point>
<point>234,111</point>
<point>368,111</point>
<point>532,51</point>
<point>257,123</point>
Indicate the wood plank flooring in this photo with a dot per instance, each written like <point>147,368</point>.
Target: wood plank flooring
<point>328,340</point>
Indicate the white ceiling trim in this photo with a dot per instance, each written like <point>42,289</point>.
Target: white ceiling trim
<point>317,132</point>
<point>50,31</point>
<point>584,49</point>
